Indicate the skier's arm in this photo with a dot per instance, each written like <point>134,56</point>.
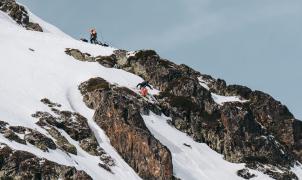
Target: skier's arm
<point>149,86</point>
<point>139,84</point>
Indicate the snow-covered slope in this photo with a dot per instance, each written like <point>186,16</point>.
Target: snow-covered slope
<point>28,76</point>
<point>33,65</point>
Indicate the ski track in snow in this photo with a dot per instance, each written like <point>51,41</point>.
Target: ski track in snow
<point>27,77</point>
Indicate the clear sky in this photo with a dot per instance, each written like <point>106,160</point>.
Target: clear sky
<point>254,43</point>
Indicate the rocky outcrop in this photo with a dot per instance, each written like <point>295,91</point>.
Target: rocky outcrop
<point>118,113</point>
<point>25,135</point>
<point>107,61</point>
<point>61,141</point>
<point>259,131</point>
<point>23,165</point>
<point>244,173</point>
<point>40,140</point>
<point>247,141</point>
<point>19,14</point>
<point>270,113</point>
<point>76,126</point>
<point>55,123</point>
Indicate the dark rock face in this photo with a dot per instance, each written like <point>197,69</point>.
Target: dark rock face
<point>297,126</point>
<point>246,141</point>
<point>118,114</point>
<point>274,116</point>
<point>260,131</point>
<point>19,14</point>
<point>24,165</point>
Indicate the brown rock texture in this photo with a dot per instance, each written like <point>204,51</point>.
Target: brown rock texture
<point>118,114</point>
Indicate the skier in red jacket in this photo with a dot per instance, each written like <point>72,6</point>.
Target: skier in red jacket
<point>143,88</point>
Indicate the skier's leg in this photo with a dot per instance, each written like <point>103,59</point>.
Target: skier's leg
<point>145,92</point>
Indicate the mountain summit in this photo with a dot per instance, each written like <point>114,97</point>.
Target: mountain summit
<point>71,110</point>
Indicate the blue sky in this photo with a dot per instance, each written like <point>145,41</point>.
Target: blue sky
<point>254,43</point>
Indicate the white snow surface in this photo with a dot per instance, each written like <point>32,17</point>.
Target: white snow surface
<point>223,99</point>
<point>28,76</point>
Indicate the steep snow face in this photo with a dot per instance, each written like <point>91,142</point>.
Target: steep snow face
<point>192,160</point>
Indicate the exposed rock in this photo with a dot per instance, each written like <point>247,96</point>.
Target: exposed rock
<point>76,126</point>
<point>106,167</point>
<point>277,119</point>
<point>24,165</point>
<point>121,57</point>
<point>297,126</point>
<point>18,129</point>
<point>245,174</point>
<point>34,27</point>
<point>49,103</point>
<point>3,126</point>
<point>260,130</point>
<point>273,171</point>
<point>28,135</point>
<point>76,54</point>
<point>61,141</point>
<point>19,14</point>
<point>107,159</point>
<point>9,134</point>
<point>91,85</point>
<point>247,141</point>
<point>107,61</point>
<point>40,140</point>
<point>118,114</point>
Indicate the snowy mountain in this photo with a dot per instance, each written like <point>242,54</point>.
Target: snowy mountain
<point>71,110</point>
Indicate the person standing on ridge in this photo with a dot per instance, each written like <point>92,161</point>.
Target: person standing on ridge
<point>143,88</point>
<point>93,36</point>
